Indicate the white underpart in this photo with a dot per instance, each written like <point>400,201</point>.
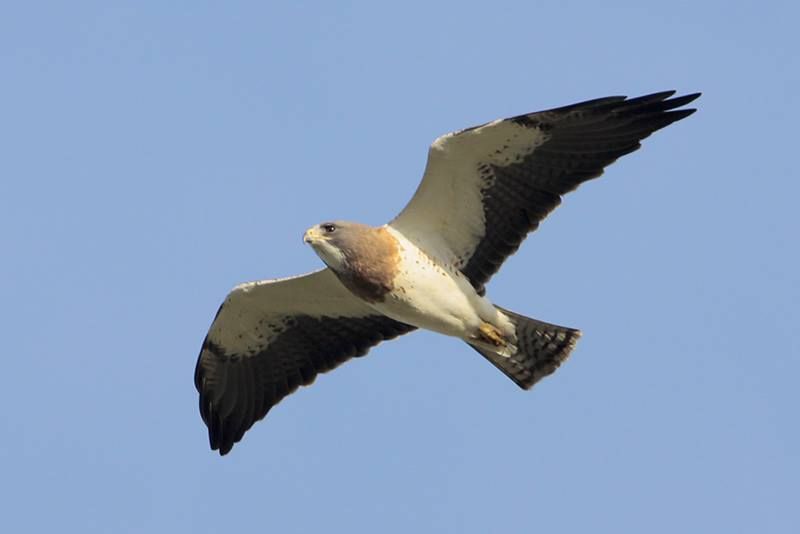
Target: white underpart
<point>431,294</point>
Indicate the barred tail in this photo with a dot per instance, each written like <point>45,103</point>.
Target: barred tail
<point>541,348</point>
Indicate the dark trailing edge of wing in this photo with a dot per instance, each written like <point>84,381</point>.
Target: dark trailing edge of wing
<point>237,390</point>
<point>582,139</point>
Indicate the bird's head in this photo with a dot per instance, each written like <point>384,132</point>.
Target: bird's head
<point>335,241</point>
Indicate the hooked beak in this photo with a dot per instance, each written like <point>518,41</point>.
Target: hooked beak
<point>312,235</point>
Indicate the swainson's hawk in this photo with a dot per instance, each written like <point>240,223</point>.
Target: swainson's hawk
<point>483,190</point>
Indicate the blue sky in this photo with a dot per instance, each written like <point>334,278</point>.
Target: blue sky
<point>155,155</point>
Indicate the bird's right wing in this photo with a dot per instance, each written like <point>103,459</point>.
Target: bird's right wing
<point>272,336</point>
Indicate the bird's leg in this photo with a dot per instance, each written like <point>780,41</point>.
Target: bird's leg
<point>489,333</point>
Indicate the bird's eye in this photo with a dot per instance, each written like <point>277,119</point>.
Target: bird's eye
<point>329,228</point>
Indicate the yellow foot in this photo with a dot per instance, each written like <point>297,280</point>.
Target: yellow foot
<point>492,335</point>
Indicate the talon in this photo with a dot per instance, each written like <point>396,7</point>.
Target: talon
<point>491,334</point>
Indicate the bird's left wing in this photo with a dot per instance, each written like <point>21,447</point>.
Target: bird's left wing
<point>486,187</point>
<point>271,337</point>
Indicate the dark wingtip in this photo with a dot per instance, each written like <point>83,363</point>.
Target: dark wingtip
<point>691,97</point>
<point>660,101</point>
<point>652,97</point>
<point>679,101</point>
<point>657,110</point>
<point>217,443</point>
<point>653,103</point>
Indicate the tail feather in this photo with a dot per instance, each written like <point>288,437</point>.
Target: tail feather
<point>541,348</point>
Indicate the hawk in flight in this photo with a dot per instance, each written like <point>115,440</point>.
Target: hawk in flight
<point>484,189</point>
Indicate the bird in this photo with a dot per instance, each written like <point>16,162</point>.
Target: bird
<point>484,189</point>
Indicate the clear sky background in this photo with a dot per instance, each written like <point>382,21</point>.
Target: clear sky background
<point>156,154</point>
